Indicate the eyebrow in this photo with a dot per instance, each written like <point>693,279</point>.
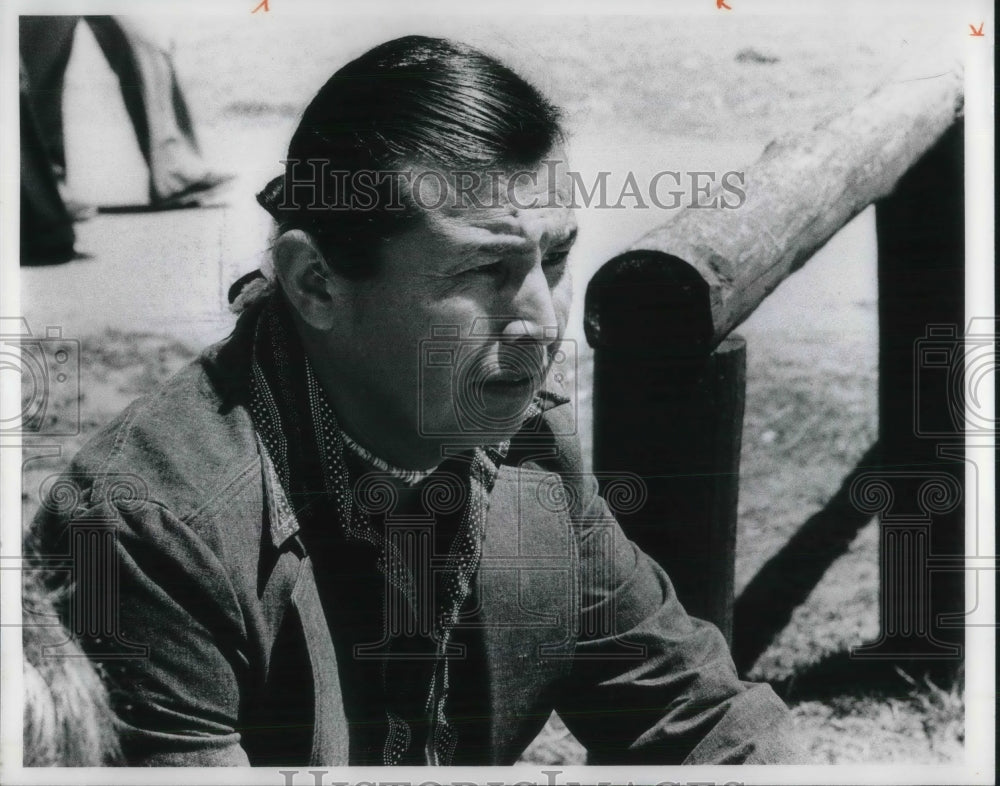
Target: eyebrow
<point>564,238</point>
<point>517,242</point>
<point>501,242</point>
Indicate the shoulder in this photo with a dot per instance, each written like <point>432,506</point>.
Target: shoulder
<point>175,448</point>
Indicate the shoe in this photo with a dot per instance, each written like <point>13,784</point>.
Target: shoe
<point>50,243</point>
<point>77,209</point>
<point>80,211</point>
<point>42,257</point>
<point>194,193</point>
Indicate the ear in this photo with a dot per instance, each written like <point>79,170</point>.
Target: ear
<point>306,279</point>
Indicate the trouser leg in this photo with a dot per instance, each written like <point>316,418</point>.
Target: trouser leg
<point>155,104</point>
<point>45,44</point>
<point>46,226</point>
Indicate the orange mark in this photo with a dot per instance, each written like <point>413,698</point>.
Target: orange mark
<point>976,32</point>
<point>262,4</point>
<point>722,4</point>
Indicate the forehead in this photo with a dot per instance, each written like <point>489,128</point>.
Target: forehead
<point>505,208</point>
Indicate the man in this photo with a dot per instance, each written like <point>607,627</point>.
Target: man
<point>358,531</point>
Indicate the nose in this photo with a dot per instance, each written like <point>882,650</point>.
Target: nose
<point>534,311</point>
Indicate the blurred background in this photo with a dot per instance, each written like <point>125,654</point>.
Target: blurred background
<point>641,94</point>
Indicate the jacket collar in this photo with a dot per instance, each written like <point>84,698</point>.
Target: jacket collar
<point>228,364</point>
<point>283,522</point>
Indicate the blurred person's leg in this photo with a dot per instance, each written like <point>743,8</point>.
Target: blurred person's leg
<point>156,106</point>
<point>46,43</point>
<point>47,235</point>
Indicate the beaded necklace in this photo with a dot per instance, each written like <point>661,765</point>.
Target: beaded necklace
<point>410,477</point>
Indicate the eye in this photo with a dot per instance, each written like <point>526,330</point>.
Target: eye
<point>491,269</point>
<point>555,258</point>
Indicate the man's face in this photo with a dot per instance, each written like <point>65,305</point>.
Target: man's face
<point>452,339</point>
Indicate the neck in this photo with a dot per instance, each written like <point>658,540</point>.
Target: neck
<point>379,431</point>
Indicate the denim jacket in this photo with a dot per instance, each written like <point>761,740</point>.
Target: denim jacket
<point>201,604</point>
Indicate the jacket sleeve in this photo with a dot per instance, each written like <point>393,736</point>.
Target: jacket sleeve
<point>650,684</point>
<point>156,608</point>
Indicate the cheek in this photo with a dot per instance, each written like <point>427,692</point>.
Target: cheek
<point>460,310</point>
<point>393,314</point>
<point>412,326</point>
<point>386,342</point>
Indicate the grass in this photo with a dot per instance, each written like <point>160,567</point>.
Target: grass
<point>925,725</point>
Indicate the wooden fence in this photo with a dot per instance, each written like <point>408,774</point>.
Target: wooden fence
<point>670,377</point>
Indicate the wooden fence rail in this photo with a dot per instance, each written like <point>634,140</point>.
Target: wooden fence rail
<point>669,385</point>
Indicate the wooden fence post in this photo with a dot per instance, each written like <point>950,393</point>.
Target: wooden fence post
<point>677,422</point>
<point>921,252</point>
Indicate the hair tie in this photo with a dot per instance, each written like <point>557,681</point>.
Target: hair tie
<point>243,283</point>
<point>273,195</point>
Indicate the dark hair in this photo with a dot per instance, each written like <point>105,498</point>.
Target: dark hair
<point>415,99</point>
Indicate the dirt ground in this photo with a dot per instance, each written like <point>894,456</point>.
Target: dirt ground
<point>640,95</point>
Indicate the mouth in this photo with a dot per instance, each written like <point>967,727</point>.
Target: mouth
<point>515,374</point>
<point>521,374</point>
<point>515,389</point>
<point>512,378</point>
